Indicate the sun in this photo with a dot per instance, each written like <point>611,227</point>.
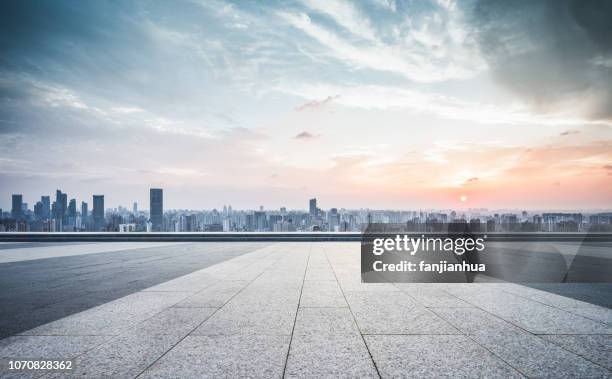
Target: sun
<point>463,198</point>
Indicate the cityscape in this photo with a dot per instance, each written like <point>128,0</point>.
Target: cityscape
<point>63,215</point>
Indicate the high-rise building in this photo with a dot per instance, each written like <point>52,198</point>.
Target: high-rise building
<point>71,214</point>
<point>72,208</point>
<point>135,208</point>
<point>84,211</point>
<point>156,197</point>
<point>61,200</point>
<point>98,212</point>
<point>17,207</point>
<point>46,207</point>
<point>38,210</point>
<point>313,207</point>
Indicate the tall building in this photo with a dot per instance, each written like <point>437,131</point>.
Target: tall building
<point>17,207</point>
<point>72,208</point>
<point>38,210</point>
<point>135,208</point>
<point>61,200</point>
<point>156,208</point>
<point>85,224</point>
<point>46,207</point>
<point>84,211</point>
<point>71,214</point>
<point>98,212</point>
<point>313,207</point>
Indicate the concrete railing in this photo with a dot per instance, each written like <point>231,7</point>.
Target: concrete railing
<point>275,236</point>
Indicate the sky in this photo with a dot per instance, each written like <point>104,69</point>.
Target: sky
<point>362,104</point>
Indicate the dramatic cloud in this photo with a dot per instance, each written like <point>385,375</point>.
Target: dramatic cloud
<point>557,54</point>
<point>213,99</point>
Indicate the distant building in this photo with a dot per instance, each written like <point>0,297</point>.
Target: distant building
<point>46,207</point>
<point>98,212</point>
<point>38,210</point>
<point>135,208</point>
<point>313,207</point>
<point>156,197</point>
<point>61,205</point>
<point>84,211</point>
<point>127,228</point>
<point>17,207</point>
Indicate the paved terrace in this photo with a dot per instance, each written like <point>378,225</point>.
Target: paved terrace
<point>292,310</point>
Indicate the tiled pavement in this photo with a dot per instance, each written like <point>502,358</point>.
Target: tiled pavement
<point>300,310</point>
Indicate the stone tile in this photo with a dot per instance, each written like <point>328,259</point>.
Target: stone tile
<point>320,273</point>
<point>323,355</point>
<point>435,357</point>
<point>48,346</point>
<point>174,321</point>
<point>112,318</point>
<point>214,296</point>
<point>281,300</point>
<point>542,319</point>
<point>325,320</point>
<point>474,320</point>
<point>191,283</point>
<point>237,356</point>
<point>355,285</point>
<point>596,348</point>
<point>247,321</point>
<point>595,313</point>
<point>431,297</point>
<point>322,294</point>
<point>124,356</point>
<point>545,297</point>
<point>535,357</point>
<point>394,313</point>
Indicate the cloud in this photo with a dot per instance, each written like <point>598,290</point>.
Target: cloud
<point>552,53</point>
<point>389,98</point>
<point>346,15</point>
<point>423,50</point>
<point>315,104</point>
<point>306,136</point>
<point>569,132</point>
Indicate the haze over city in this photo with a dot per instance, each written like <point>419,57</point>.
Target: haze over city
<point>378,104</point>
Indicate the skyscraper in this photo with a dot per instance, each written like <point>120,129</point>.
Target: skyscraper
<point>17,209</point>
<point>71,214</point>
<point>156,196</point>
<point>46,207</point>
<point>61,200</point>
<point>313,207</point>
<point>72,208</point>
<point>84,212</point>
<point>38,210</point>
<point>135,208</point>
<point>98,212</point>
<point>85,224</point>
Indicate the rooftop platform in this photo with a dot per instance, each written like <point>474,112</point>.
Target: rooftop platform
<point>283,309</point>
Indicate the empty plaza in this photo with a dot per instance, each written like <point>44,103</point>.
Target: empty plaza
<point>284,309</point>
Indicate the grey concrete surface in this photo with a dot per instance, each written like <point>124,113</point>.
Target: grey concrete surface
<point>300,310</point>
<point>59,281</point>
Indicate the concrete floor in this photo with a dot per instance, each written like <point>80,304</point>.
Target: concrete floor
<point>300,310</point>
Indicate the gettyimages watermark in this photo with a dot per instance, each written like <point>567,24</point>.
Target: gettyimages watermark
<point>454,253</point>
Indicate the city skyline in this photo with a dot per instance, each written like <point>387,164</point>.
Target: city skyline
<point>377,103</point>
<point>307,205</point>
<point>62,216</point>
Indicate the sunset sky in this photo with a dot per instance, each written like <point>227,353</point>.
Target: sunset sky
<point>377,103</point>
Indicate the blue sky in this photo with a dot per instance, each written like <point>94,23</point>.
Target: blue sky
<point>375,103</point>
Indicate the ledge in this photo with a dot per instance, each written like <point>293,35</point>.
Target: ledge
<point>273,237</point>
